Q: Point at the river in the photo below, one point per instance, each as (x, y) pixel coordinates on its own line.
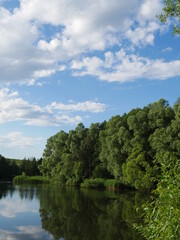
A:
(50, 212)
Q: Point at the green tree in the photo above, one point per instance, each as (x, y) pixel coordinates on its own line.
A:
(171, 10)
(4, 168)
(53, 152)
(110, 154)
(137, 171)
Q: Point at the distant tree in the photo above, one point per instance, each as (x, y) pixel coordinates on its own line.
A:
(4, 168)
(171, 10)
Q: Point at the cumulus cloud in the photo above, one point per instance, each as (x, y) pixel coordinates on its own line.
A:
(124, 67)
(27, 54)
(14, 108)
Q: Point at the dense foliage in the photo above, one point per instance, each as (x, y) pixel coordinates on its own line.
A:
(128, 148)
(163, 214)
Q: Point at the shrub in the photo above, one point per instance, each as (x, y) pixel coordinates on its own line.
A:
(163, 214)
(72, 182)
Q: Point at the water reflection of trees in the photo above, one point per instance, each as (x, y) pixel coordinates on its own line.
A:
(29, 192)
(76, 214)
(26, 192)
(6, 189)
(84, 214)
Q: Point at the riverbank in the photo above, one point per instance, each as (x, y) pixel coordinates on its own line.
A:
(96, 183)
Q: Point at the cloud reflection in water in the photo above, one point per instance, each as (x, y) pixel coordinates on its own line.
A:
(26, 232)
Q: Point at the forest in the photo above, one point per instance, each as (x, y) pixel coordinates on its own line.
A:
(129, 148)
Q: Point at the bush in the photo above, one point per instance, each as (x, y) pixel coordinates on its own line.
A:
(94, 183)
(113, 183)
(163, 214)
(72, 182)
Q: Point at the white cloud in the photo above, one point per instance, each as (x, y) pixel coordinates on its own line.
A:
(51, 46)
(44, 73)
(20, 58)
(87, 25)
(149, 9)
(125, 67)
(14, 108)
(91, 64)
(143, 35)
(80, 27)
(87, 106)
(16, 139)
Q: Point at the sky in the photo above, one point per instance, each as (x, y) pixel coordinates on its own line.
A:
(63, 62)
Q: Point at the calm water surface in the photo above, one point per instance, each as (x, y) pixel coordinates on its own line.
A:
(50, 212)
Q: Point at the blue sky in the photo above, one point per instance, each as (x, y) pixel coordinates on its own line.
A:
(65, 62)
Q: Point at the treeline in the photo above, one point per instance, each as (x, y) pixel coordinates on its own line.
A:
(9, 168)
(129, 148)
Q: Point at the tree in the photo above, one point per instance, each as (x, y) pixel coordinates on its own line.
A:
(137, 171)
(54, 150)
(171, 10)
(110, 154)
(4, 168)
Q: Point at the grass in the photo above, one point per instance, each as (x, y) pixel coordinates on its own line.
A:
(28, 179)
